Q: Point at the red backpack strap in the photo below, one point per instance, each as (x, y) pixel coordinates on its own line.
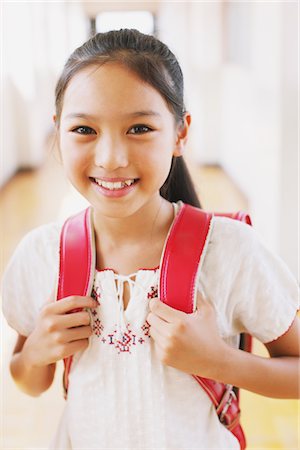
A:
(240, 215)
(76, 265)
(182, 260)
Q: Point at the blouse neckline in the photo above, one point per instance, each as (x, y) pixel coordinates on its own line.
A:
(109, 269)
(176, 207)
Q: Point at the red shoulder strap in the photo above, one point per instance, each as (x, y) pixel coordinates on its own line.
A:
(183, 254)
(77, 263)
(182, 260)
(77, 256)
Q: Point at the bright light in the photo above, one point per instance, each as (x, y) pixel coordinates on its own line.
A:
(114, 20)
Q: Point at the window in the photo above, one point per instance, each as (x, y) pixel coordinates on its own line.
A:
(114, 20)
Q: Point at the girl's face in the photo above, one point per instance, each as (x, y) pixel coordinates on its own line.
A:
(117, 138)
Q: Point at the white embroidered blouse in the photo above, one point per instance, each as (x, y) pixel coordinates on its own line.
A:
(120, 395)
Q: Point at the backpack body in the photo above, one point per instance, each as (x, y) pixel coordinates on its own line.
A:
(182, 259)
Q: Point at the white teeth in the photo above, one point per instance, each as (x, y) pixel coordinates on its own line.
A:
(129, 182)
(112, 186)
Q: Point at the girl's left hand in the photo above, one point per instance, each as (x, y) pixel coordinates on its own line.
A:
(188, 342)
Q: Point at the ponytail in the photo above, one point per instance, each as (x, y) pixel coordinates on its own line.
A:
(179, 184)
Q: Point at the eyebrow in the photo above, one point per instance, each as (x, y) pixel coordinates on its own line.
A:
(143, 113)
(132, 114)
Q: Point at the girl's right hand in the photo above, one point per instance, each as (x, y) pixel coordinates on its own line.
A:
(61, 331)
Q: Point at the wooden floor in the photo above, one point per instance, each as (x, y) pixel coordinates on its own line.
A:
(33, 198)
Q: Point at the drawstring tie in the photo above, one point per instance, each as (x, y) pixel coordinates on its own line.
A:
(121, 279)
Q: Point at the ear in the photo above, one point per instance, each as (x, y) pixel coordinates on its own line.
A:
(182, 135)
(55, 122)
(56, 144)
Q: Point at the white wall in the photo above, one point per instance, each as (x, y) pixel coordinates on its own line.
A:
(240, 65)
(289, 139)
(194, 34)
(37, 38)
(258, 142)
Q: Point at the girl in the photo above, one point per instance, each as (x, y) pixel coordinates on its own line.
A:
(122, 127)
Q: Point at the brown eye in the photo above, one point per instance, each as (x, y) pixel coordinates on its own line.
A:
(83, 130)
(140, 129)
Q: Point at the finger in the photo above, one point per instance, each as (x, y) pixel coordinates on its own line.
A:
(159, 350)
(157, 323)
(164, 311)
(160, 325)
(157, 336)
(75, 319)
(74, 347)
(69, 304)
(158, 339)
(75, 334)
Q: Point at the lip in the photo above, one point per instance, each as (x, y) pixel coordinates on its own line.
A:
(116, 193)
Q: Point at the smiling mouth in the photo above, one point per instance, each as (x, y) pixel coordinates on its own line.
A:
(116, 185)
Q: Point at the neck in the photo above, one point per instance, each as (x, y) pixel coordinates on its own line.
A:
(151, 220)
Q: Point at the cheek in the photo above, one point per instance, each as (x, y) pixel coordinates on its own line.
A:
(155, 164)
(160, 151)
(162, 156)
(73, 157)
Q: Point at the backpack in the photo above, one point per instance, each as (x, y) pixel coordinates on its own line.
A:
(182, 258)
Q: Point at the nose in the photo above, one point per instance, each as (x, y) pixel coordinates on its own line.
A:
(110, 153)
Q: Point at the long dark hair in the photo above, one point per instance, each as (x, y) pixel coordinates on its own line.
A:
(155, 64)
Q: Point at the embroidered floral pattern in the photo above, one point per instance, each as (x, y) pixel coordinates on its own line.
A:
(97, 327)
(96, 294)
(153, 292)
(122, 342)
(146, 329)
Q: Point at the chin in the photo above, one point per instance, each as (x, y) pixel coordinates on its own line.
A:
(115, 210)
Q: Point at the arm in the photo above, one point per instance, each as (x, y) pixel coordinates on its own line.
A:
(192, 343)
(59, 333)
(277, 376)
(30, 379)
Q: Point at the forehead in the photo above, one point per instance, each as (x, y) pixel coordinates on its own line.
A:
(111, 88)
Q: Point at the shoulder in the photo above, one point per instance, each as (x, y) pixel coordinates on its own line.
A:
(246, 280)
(30, 276)
(231, 241)
(40, 243)
(230, 230)
(239, 243)
(237, 248)
(229, 253)
(223, 230)
(44, 233)
(37, 251)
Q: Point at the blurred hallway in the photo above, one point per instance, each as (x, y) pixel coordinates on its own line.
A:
(33, 198)
(240, 64)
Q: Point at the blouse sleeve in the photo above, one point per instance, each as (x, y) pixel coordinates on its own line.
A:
(252, 289)
(30, 277)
